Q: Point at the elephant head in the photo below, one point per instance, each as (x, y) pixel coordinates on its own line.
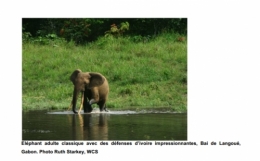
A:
(84, 81)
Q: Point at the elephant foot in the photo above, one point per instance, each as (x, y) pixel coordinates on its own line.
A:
(88, 109)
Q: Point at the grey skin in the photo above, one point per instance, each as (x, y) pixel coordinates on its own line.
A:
(94, 88)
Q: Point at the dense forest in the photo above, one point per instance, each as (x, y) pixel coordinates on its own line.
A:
(84, 30)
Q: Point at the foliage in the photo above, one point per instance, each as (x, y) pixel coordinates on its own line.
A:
(26, 36)
(76, 30)
(117, 31)
(85, 30)
(140, 38)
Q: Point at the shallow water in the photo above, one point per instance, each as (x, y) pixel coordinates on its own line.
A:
(112, 125)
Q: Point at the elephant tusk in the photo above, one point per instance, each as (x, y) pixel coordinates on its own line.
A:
(81, 104)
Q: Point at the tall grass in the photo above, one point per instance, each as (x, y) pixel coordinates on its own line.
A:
(140, 74)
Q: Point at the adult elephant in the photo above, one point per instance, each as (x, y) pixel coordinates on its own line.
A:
(94, 88)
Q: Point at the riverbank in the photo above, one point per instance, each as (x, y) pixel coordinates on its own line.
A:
(142, 74)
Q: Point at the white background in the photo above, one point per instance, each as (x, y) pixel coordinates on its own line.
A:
(223, 74)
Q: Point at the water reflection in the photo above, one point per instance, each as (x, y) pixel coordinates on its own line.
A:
(90, 126)
(114, 125)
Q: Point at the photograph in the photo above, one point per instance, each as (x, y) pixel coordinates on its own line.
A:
(104, 79)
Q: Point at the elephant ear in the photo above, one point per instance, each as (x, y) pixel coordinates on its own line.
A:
(96, 79)
(74, 75)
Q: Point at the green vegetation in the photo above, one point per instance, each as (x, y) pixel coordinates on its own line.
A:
(144, 60)
(151, 74)
(85, 30)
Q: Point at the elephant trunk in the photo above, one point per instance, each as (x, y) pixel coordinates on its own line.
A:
(74, 100)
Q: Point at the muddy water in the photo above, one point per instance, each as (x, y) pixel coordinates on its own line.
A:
(113, 125)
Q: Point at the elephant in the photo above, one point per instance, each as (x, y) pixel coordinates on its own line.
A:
(94, 89)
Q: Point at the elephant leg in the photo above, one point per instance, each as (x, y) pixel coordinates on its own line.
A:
(93, 101)
(102, 106)
(81, 104)
(94, 97)
(87, 106)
